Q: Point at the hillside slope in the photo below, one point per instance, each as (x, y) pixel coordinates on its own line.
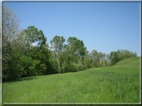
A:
(129, 61)
(116, 84)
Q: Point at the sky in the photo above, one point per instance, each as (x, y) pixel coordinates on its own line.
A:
(102, 26)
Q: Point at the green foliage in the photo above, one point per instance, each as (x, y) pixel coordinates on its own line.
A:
(21, 59)
(98, 59)
(57, 43)
(88, 63)
(76, 47)
(10, 70)
(58, 46)
(27, 66)
(71, 68)
(80, 67)
(116, 56)
(75, 67)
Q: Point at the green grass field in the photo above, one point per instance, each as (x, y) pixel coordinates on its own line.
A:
(116, 84)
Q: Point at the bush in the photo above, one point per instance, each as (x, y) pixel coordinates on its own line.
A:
(27, 66)
(87, 62)
(81, 67)
(75, 67)
(71, 68)
(11, 67)
(98, 64)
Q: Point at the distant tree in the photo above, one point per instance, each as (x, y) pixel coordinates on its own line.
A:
(97, 58)
(118, 55)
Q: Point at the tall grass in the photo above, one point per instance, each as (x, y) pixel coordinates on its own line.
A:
(116, 84)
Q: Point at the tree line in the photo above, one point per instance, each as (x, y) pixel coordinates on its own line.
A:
(20, 58)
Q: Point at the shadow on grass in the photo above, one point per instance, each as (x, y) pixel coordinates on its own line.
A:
(27, 78)
(23, 79)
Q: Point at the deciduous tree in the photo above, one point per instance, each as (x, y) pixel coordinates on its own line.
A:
(57, 44)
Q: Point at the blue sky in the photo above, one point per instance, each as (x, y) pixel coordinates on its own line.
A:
(103, 26)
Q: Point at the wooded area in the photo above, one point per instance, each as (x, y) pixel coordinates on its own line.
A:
(20, 58)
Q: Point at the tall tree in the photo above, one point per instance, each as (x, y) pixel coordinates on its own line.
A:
(34, 36)
(76, 48)
(57, 44)
(10, 27)
(40, 53)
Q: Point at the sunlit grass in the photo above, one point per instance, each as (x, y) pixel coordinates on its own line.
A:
(116, 84)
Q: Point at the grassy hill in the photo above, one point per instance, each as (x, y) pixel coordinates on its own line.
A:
(116, 84)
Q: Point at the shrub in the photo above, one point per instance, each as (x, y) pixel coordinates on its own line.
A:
(71, 68)
(75, 67)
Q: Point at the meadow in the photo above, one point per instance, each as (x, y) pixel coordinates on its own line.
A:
(115, 84)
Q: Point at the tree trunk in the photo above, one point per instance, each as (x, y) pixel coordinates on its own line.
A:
(58, 62)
